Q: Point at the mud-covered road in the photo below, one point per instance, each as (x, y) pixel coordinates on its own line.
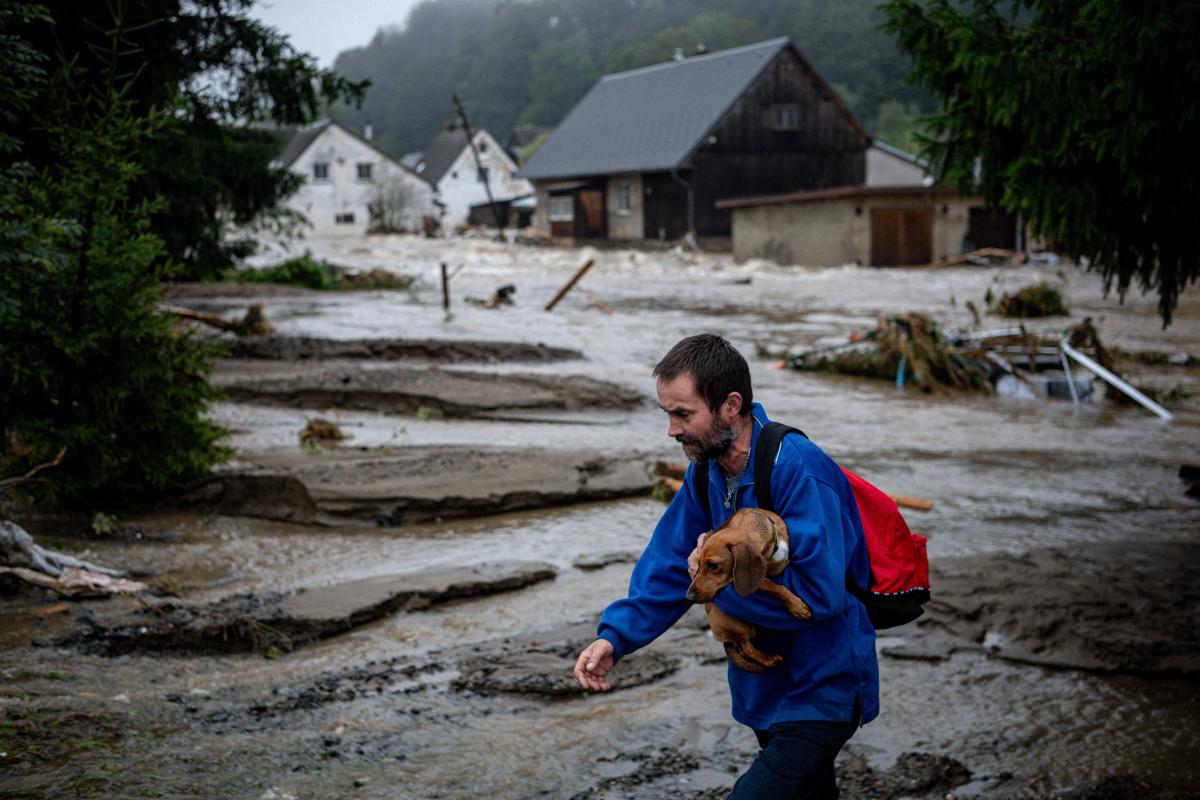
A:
(396, 616)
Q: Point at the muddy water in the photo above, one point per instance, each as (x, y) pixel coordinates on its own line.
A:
(1005, 475)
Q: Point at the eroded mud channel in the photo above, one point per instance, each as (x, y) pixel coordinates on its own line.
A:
(395, 615)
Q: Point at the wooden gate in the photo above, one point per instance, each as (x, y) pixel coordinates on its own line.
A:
(901, 236)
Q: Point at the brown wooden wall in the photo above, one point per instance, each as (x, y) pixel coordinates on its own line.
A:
(750, 158)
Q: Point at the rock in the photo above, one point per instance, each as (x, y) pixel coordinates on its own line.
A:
(593, 561)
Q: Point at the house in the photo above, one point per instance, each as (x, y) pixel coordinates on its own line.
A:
(352, 188)
(450, 166)
(890, 166)
(882, 225)
(647, 152)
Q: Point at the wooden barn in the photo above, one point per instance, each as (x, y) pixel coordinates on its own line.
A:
(646, 153)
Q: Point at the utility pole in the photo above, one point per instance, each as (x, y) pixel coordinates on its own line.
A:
(462, 116)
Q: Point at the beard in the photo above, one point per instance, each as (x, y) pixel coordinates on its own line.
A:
(713, 444)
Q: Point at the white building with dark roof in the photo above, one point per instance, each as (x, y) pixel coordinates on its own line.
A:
(352, 188)
(449, 165)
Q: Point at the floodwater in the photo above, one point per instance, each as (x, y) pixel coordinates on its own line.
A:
(1005, 475)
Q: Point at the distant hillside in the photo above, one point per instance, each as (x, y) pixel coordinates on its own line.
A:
(528, 63)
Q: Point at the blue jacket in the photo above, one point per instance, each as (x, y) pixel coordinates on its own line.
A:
(829, 663)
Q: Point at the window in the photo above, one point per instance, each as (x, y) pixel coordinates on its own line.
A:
(364, 172)
(785, 116)
(343, 219)
(321, 171)
(482, 148)
(562, 208)
(483, 174)
(623, 192)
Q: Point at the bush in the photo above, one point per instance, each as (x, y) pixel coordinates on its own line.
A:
(302, 270)
(1039, 300)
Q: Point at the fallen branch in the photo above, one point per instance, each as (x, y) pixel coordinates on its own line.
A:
(28, 477)
(76, 583)
(253, 324)
(17, 550)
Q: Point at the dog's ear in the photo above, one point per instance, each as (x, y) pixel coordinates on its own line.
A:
(749, 567)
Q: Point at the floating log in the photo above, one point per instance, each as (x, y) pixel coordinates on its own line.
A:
(253, 324)
(574, 280)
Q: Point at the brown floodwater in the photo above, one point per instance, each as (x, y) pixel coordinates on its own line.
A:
(1005, 475)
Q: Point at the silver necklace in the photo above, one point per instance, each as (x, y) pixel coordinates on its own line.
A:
(732, 482)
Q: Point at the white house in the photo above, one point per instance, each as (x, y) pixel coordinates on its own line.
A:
(350, 186)
(450, 166)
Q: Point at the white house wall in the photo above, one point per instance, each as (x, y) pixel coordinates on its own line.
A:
(886, 169)
(460, 188)
(343, 195)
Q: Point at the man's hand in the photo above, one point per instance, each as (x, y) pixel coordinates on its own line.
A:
(694, 558)
(594, 663)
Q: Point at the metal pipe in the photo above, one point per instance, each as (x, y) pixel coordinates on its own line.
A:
(1116, 382)
(1070, 378)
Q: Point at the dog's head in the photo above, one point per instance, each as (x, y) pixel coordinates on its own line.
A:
(728, 556)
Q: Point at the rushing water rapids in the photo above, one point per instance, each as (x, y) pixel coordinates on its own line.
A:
(1006, 476)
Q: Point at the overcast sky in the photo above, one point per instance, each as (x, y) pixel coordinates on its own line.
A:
(325, 28)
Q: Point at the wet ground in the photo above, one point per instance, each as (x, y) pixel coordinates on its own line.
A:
(467, 697)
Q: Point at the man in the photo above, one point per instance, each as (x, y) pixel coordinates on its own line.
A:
(805, 709)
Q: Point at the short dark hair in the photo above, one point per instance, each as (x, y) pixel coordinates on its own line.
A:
(716, 367)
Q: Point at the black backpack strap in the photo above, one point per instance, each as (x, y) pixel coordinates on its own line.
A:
(764, 460)
(700, 484)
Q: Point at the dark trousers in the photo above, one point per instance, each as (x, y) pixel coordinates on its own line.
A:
(795, 762)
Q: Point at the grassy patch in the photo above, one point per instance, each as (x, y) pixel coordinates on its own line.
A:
(313, 273)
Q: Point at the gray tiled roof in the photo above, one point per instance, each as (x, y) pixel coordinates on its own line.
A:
(299, 140)
(652, 118)
(441, 153)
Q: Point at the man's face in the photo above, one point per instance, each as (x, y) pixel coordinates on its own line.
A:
(703, 434)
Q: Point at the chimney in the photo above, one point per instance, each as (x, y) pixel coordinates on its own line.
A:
(678, 54)
(368, 132)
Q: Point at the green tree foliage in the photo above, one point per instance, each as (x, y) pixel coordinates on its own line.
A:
(530, 61)
(86, 363)
(1080, 116)
(226, 78)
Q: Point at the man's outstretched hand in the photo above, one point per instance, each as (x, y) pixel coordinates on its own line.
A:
(594, 663)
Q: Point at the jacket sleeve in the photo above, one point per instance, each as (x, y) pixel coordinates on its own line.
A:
(820, 529)
(660, 579)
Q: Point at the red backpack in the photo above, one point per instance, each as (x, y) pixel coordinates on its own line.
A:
(899, 585)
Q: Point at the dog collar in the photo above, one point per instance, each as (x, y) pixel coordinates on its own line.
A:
(774, 534)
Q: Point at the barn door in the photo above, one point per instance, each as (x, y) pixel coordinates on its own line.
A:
(901, 236)
(591, 202)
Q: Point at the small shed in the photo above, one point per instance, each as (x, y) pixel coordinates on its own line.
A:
(876, 225)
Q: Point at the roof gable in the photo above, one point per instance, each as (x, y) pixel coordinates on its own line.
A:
(653, 118)
(303, 138)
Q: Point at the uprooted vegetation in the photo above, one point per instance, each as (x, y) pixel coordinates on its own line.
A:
(912, 347)
(1038, 300)
(313, 273)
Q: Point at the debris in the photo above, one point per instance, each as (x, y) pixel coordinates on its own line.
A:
(1038, 300)
(76, 583)
(983, 255)
(574, 280)
(374, 279)
(1190, 474)
(18, 551)
(501, 297)
(321, 431)
(253, 324)
(595, 301)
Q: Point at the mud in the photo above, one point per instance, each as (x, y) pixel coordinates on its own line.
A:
(1123, 608)
(282, 622)
(306, 348)
(431, 392)
(394, 487)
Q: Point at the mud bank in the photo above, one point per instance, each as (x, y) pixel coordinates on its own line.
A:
(1128, 609)
(283, 622)
(431, 391)
(393, 486)
(449, 351)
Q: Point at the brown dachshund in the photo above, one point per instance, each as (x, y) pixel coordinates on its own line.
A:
(748, 549)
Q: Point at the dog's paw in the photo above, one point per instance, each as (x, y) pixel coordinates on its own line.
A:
(799, 609)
